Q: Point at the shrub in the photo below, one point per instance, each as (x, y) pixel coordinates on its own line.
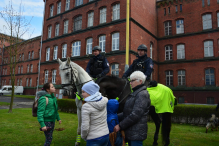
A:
(67, 105)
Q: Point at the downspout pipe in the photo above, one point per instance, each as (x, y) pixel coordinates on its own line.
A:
(127, 36)
(41, 44)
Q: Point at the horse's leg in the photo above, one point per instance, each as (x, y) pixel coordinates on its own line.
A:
(166, 127)
(157, 122)
(78, 139)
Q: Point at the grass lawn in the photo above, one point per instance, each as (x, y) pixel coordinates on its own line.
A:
(4, 103)
(21, 129)
(23, 96)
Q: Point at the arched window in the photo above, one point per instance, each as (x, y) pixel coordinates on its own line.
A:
(64, 50)
(78, 23)
(181, 51)
(115, 70)
(90, 21)
(54, 76)
(207, 21)
(115, 41)
(65, 27)
(27, 81)
(76, 48)
(67, 5)
(169, 77)
(208, 49)
(168, 28)
(102, 42)
(31, 68)
(116, 11)
(168, 52)
(89, 46)
(179, 26)
(103, 15)
(30, 82)
(59, 7)
(19, 70)
(181, 77)
(55, 52)
(47, 54)
(46, 76)
(32, 54)
(17, 82)
(51, 10)
(20, 82)
(28, 68)
(209, 76)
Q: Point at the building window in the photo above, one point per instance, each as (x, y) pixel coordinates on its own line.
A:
(29, 54)
(57, 30)
(169, 10)
(89, 46)
(47, 54)
(55, 52)
(90, 21)
(32, 54)
(6, 71)
(5, 82)
(78, 2)
(208, 2)
(91, 0)
(116, 12)
(181, 100)
(67, 5)
(59, 7)
(78, 23)
(54, 76)
(51, 10)
(210, 100)
(76, 47)
(20, 82)
(217, 19)
(207, 22)
(30, 82)
(64, 50)
(168, 53)
(27, 81)
(115, 41)
(176, 8)
(151, 50)
(208, 49)
(103, 15)
(179, 26)
(21, 69)
(164, 11)
(17, 82)
(9, 82)
(102, 42)
(23, 57)
(46, 76)
(19, 57)
(31, 68)
(28, 68)
(181, 51)
(181, 77)
(168, 28)
(65, 26)
(180, 7)
(169, 78)
(3, 71)
(115, 70)
(209, 77)
(203, 3)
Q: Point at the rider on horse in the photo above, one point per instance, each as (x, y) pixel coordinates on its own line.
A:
(143, 64)
(98, 65)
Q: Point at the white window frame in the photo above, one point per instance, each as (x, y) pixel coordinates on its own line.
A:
(28, 68)
(49, 32)
(59, 7)
(151, 50)
(65, 27)
(115, 69)
(217, 19)
(46, 76)
(208, 48)
(23, 57)
(27, 81)
(57, 30)
(67, 5)
(211, 76)
(102, 42)
(176, 8)
(30, 79)
(32, 54)
(103, 15)
(181, 51)
(78, 2)
(116, 12)
(78, 23)
(54, 76)
(179, 26)
(207, 21)
(168, 52)
(168, 28)
(31, 68)
(20, 82)
(169, 77)
(55, 53)
(208, 2)
(181, 78)
(76, 48)
(29, 54)
(90, 21)
(51, 10)
(21, 69)
(64, 50)
(47, 54)
(89, 46)
(115, 41)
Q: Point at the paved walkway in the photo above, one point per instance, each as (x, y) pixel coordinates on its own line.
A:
(18, 102)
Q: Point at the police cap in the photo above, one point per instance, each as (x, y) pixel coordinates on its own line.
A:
(97, 48)
(142, 47)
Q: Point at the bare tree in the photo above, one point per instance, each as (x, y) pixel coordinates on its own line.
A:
(16, 26)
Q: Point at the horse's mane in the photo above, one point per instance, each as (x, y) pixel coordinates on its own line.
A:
(111, 78)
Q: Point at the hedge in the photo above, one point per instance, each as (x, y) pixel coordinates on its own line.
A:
(189, 114)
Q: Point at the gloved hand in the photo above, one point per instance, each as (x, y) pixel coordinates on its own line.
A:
(99, 76)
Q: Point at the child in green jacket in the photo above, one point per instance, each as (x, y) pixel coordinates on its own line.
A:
(47, 113)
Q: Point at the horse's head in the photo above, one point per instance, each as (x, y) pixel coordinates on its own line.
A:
(68, 75)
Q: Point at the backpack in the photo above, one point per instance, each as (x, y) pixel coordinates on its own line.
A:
(35, 104)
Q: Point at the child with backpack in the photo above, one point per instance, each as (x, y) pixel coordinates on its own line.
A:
(47, 111)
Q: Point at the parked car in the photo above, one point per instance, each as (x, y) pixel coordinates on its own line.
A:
(7, 89)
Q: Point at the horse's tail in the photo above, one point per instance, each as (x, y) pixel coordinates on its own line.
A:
(166, 128)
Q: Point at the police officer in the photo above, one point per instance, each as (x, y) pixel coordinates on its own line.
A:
(143, 63)
(98, 66)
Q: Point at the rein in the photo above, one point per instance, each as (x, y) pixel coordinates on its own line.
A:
(122, 92)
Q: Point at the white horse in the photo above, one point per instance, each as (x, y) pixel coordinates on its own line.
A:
(74, 76)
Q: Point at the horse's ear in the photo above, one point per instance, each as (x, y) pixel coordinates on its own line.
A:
(59, 61)
(68, 61)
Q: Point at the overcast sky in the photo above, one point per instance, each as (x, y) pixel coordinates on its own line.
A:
(31, 9)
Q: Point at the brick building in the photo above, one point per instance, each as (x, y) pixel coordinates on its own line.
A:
(26, 69)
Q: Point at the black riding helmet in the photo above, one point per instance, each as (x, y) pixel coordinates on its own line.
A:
(97, 48)
(143, 47)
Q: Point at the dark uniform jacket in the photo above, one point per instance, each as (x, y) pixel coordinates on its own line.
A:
(143, 63)
(97, 65)
(133, 119)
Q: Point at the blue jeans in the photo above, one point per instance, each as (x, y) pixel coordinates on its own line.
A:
(100, 142)
(135, 143)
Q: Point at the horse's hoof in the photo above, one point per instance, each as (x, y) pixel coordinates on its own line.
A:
(77, 144)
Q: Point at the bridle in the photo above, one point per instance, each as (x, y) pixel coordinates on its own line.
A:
(122, 92)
